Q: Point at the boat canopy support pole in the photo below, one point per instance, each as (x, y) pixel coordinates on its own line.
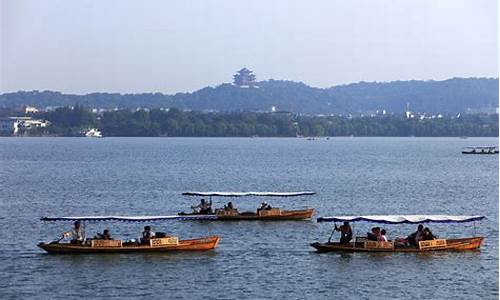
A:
(84, 232)
(353, 236)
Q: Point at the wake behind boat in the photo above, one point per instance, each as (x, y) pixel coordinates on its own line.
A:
(265, 212)
(104, 244)
(364, 244)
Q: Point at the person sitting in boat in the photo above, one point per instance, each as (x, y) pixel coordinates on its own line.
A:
(374, 235)
(427, 235)
(229, 206)
(204, 208)
(345, 232)
(417, 236)
(105, 235)
(264, 206)
(147, 234)
(77, 234)
(383, 237)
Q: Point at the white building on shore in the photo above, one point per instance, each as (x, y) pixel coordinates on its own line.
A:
(12, 125)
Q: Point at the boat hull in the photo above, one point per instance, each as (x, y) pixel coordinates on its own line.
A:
(286, 215)
(479, 153)
(201, 244)
(463, 244)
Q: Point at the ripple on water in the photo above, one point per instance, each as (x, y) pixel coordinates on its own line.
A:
(254, 260)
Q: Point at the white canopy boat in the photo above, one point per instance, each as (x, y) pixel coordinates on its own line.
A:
(480, 150)
(229, 213)
(154, 244)
(362, 244)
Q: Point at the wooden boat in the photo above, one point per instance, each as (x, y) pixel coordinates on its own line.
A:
(272, 214)
(462, 244)
(157, 244)
(361, 244)
(117, 246)
(480, 150)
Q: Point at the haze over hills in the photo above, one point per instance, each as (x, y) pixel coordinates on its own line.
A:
(456, 95)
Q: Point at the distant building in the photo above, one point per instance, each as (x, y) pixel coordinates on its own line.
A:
(8, 126)
(244, 78)
(12, 125)
(52, 108)
(408, 113)
(483, 110)
(30, 110)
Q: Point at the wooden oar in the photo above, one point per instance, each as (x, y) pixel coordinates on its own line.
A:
(333, 231)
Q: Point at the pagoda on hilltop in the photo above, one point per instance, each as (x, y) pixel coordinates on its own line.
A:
(244, 78)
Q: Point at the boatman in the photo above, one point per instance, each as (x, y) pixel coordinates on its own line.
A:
(77, 234)
(147, 235)
(345, 232)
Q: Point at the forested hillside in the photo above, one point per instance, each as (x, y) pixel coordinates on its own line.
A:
(448, 96)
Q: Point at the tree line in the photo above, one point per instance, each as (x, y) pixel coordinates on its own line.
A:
(174, 122)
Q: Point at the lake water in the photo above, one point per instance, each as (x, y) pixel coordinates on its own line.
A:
(255, 260)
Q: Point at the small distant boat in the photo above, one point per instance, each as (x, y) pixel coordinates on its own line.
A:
(362, 244)
(268, 214)
(159, 244)
(480, 150)
(94, 133)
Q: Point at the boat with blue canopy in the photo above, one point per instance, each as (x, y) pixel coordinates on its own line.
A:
(265, 212)
(373, 242)
(159, 242)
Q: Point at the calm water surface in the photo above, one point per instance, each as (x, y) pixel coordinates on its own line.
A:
(255, 260)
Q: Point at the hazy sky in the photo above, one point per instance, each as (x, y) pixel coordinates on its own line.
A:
(173, 46)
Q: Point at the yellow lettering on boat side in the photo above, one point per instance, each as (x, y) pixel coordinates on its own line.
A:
(440, 243)
(105, 243)
(164, 241)
(379, 245)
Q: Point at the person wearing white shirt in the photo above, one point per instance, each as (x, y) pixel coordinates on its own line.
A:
(383, 237)
(77, 234)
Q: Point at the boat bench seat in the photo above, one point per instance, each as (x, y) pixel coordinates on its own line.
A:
(439, 243)
(269, 212)
(379, 245)
(155, 242)
(105, 243)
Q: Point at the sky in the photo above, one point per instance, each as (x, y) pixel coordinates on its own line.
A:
(178, 46)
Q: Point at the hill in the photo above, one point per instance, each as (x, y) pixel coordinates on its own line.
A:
(448, 96)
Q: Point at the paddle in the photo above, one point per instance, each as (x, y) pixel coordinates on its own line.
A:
(333, 231)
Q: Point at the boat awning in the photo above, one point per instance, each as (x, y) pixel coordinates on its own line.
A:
(403, 219)
(244, 194)
(129, 218)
